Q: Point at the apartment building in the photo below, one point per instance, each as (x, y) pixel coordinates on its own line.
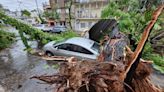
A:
(60, 7)
(87, 13)
(48, 9)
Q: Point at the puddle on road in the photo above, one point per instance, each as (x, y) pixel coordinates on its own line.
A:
(17, 66)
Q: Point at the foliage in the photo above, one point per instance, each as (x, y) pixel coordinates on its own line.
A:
(6, 39)
(130, 21)
(24, 40)
(26, 13)
(132, 17)
(157, 59)
(35, 34)
(51, 14)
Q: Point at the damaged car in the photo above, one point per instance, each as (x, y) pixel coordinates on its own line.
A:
(82, 48)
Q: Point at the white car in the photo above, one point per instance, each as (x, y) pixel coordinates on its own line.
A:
(59, 29)
(79, 47)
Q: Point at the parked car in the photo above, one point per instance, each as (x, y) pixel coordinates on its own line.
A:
(77, 46)
(44, 27)
(58, 29)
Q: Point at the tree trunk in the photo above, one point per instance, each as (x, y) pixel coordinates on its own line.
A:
(70, 17)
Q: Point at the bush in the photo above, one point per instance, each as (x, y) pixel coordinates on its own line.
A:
(156, 58)
(6, 39)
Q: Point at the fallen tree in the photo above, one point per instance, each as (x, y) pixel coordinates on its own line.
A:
(120, 73)
(34, 33)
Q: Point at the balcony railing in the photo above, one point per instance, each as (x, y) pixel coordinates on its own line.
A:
(90, 1)
(87, 16)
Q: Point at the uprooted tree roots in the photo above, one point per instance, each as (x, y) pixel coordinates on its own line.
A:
(109, 76)
(90, 76)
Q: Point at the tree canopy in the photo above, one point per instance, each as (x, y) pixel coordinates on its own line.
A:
(132, 17)
(26, 13)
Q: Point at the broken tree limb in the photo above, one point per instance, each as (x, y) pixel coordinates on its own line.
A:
(56, 58)
(144, 37)
(59, 58)
(134, 59)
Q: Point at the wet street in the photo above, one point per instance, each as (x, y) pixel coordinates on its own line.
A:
(17, 66)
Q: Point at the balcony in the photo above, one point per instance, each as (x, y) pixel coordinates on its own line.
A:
(87, 16)
(89, 1)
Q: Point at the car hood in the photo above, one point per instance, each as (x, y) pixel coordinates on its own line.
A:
(49, 44)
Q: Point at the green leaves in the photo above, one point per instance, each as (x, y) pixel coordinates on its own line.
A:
(26, 13)
(133, 19)
(6, 39)
(34, 34)
(51, 14)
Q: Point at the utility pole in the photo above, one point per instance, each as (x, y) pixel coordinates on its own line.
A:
(19, 2)
(36, 2)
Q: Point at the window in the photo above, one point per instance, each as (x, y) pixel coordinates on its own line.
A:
(83, 50)
(83, 25)
(67, 10)
(90, 24)
(58, 10)
(96, 47)
(65, 47)
(74, 48)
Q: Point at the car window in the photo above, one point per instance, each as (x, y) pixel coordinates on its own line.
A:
(65, 47)
(57, 30)
(96, 47)
(81, 50)
(74, 48)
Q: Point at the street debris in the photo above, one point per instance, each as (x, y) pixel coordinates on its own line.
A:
(122, 72)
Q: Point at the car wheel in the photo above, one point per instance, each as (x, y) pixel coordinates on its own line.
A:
(48, 53)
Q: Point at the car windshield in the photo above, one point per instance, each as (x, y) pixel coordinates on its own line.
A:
(96, 47)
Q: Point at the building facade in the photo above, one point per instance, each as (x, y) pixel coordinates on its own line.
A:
(87, 13)
(49, 17)
(84, 13)
(61, 8)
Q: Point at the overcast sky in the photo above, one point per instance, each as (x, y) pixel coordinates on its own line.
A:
(25, 4)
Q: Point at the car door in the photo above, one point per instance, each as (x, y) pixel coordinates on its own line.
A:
(84, 53)
(64, 49)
